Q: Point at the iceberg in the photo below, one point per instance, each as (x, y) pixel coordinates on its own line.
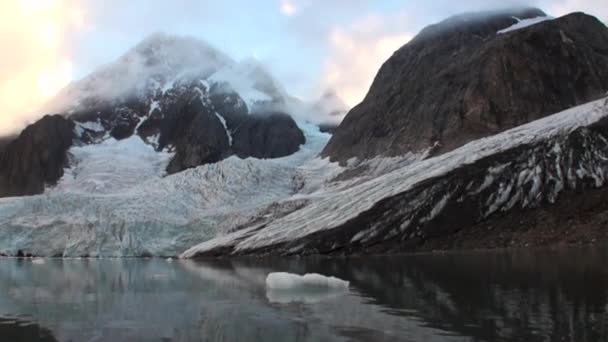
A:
(288, 281)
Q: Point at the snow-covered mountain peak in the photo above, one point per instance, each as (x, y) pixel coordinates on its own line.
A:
(252, 81)
(155, 63)
(161, 49)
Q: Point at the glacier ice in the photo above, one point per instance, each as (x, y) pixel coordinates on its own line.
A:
(38, 261)
(289, 281)
(116, 200)
(311, 288)
(333, 208)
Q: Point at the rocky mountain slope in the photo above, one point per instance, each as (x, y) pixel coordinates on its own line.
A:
(175, 93)
(5, 141)
(475, 75)
(36, 158)
(498, 179)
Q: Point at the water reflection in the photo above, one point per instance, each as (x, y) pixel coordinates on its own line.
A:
(527, 295)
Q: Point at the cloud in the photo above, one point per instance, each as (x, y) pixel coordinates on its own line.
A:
(598, 8)
(311, 44)
(356, 54)
(357, 49)
(288, 8)
(34, 65)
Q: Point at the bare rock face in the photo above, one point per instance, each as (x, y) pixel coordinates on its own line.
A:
(198, 136)
(4, 141)
(37, 157)
(266, 136)
(461, 80)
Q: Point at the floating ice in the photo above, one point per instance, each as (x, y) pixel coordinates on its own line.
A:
(289, 281)
(38, 261)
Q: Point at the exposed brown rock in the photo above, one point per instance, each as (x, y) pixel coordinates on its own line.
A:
(459, 80)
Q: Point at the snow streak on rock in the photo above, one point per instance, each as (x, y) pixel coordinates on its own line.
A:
(523, 23)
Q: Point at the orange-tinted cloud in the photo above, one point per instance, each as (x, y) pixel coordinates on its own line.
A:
(34, 64)
(356, 54)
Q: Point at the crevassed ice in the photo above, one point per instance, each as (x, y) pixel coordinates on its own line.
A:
(114, 201)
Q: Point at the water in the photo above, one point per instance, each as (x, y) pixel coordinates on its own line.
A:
(526, 295)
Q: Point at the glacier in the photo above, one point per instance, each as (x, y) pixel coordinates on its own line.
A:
(116, 201)
(347, 207)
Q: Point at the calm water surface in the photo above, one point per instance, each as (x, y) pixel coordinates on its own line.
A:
(526, 295)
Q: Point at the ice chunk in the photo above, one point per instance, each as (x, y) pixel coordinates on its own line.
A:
(289, 281)
(38, 261)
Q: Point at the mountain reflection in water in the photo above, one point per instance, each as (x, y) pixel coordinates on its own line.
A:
(523, 295)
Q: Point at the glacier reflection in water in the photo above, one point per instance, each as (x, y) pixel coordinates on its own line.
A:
(525, 295)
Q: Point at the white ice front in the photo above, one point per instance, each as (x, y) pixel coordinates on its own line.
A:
(116, 201)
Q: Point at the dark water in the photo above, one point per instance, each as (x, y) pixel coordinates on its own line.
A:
(529, 295)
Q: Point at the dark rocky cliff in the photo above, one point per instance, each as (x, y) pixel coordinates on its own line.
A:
(4, 141)
(460, 80)
(37, 157)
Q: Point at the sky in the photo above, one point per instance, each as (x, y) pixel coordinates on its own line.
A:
(309, 45)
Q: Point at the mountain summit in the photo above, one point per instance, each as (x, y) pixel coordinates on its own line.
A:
(177, 94)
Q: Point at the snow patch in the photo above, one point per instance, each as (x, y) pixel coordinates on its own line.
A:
(223, 121)
(154, 64)
(94, 126)
(523, 23)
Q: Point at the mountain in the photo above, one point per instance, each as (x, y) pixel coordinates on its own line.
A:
(38, 156)
(472, 76)
(177, 94)
(197, 167)
(527, 185)
(5, 141)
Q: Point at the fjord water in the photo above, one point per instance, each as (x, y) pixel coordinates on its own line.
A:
(520, 295)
